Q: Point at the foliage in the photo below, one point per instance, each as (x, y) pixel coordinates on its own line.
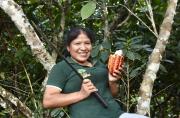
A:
(88, 9)
(133, 37)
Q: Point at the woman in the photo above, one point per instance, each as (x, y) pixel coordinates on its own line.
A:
(65, 89)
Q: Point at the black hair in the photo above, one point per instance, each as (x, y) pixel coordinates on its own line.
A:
(74, 32)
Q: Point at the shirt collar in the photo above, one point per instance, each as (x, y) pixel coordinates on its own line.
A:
(71, 61)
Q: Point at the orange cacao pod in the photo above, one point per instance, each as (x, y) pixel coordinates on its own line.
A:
(115, 61)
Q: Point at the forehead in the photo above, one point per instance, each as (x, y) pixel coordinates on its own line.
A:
(82, 37)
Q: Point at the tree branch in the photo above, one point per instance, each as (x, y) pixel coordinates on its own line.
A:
(121, 18)
(143, 106)
(140, 20)
(16, 102)
(22, 23)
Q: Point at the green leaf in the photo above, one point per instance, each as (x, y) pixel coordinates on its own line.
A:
(130, 55)
(137, 56)
(163, 68)
(21, 53)
(55, 112)
(2, 75)
(104, 55)
(88, 9)
(106, 44)
(57, 20)
(133, 55)
(32, 1)
(135, 72)
(119, 45)
(95, 51)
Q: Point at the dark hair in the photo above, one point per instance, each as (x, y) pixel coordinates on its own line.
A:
(74, 32)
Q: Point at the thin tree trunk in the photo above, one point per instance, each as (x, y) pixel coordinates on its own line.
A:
(143, 106)
(2, 103)
(22, 23)
(37, 47)
(14, 101)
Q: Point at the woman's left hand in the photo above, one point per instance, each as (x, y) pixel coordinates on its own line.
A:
(115, 76)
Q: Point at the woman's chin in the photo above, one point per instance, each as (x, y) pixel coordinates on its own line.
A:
(82, 60)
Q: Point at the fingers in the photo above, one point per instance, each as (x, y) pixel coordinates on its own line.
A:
(86, 81)
(87, 87)
(111, 77)
(117, 73)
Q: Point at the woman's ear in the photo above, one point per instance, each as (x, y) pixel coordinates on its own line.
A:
(67, 48)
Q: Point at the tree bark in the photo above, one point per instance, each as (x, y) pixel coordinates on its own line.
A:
(2, 103)
(7, 96)
(32, 39)
(143, 106)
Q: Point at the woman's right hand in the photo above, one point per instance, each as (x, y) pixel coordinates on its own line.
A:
(87, 88)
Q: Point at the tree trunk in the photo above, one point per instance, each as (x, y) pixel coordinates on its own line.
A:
(14, 101)
(37, 47)
(22, 23)
(143, 106)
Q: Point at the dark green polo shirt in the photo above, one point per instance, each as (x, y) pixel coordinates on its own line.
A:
(63, 77)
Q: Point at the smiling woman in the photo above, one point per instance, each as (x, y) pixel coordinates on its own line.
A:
(65, 89)
(80, 48)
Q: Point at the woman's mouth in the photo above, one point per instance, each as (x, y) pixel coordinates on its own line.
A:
(83, 53)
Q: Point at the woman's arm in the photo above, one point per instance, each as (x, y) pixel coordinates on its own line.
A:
(113, 82)
(114, 87)
(53, 98)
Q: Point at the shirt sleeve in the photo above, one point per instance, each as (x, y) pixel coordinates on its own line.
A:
(57, 77)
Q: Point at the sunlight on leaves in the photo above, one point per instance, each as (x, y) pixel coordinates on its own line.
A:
(88, 9)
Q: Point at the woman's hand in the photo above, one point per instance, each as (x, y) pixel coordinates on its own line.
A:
(54, 98)
(113, 84)
(115, 76)
(87, 88)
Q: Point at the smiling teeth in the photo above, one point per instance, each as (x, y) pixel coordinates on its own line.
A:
(83, 54)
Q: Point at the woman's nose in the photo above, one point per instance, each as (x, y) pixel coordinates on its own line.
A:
(83, 47)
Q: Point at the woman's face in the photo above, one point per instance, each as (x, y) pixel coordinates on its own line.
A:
(80, 48)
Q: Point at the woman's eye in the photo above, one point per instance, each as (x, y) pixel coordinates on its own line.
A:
(88, 43)
(77, 43)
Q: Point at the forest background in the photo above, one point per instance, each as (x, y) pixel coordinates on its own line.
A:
(136, 27)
